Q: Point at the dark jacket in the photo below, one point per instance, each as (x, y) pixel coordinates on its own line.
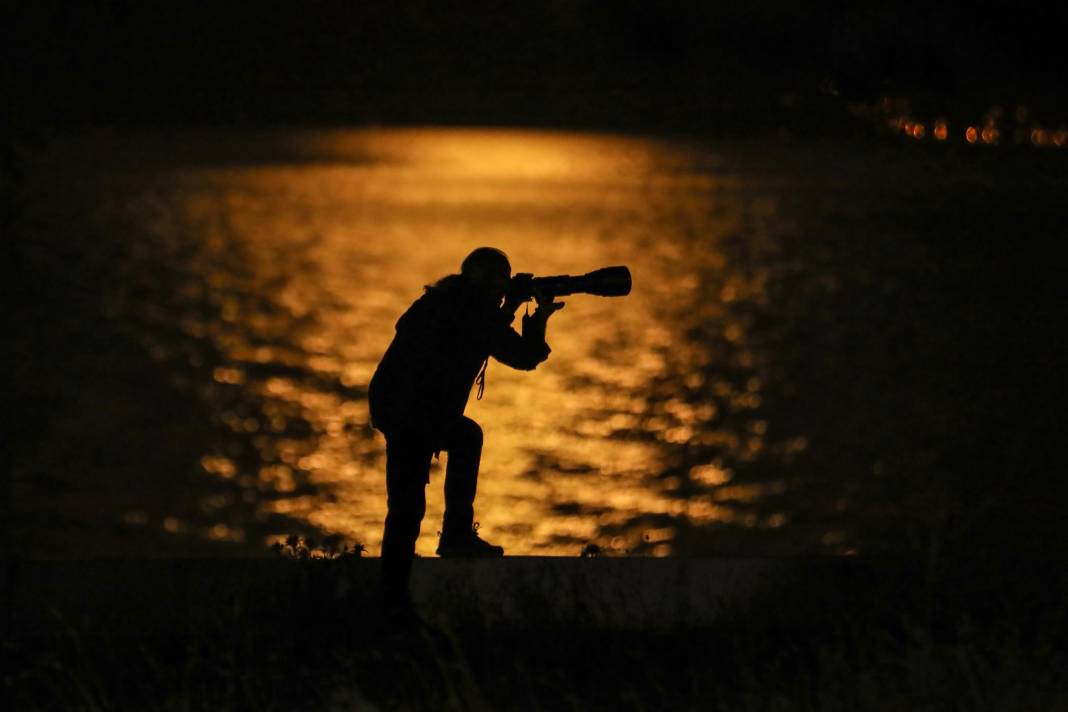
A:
(441, 344)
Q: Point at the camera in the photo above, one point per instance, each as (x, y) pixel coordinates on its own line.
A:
(604, 282)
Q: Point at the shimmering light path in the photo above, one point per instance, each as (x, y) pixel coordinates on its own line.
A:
(299, 267)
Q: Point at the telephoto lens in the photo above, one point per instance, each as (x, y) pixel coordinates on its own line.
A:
(604, 282)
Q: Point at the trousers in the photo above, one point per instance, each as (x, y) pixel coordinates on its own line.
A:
(408, 457)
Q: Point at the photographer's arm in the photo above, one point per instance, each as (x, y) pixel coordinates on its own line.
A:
(527, 351)
(534, 324)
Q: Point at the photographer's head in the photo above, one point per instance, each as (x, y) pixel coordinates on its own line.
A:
(488, 268)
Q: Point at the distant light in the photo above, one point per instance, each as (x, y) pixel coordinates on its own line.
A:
(1060, 139)
(971, 135)
(990, 134)
(918, 131)
(941, 130)
(1040, 137)
(136, 518)
(1021, 113)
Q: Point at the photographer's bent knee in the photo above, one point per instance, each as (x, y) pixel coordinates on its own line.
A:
(469, 432)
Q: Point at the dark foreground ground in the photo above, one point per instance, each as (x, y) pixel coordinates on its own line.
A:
(883, 641)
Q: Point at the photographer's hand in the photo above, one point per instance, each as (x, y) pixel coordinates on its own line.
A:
(546, 310)
(512, 302)
(547, 306)
(534, 324)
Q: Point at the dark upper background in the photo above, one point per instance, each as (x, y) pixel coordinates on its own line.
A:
(677, 66)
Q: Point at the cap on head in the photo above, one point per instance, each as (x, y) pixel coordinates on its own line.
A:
(486, 264)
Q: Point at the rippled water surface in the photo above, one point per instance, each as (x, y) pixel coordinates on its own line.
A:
(278, 277)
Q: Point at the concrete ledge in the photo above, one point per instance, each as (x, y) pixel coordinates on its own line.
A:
(146, 596)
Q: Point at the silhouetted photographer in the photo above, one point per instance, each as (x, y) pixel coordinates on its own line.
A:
(420, 389)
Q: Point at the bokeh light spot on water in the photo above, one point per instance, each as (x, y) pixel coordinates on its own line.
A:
(779, 519)
(712, 474)
(221, 466)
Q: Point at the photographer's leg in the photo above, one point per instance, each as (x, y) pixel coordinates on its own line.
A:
(407, 468)
(458, 539)
(464, 445)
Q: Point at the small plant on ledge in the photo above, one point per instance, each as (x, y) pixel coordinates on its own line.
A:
(304, 548)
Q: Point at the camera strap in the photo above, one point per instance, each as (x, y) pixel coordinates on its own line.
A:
(481, 379)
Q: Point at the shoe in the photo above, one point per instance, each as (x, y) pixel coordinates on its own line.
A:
(468, 545)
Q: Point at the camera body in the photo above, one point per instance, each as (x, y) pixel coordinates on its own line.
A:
(604, 282)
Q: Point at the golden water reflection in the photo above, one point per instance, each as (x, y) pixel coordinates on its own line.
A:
(626, 437)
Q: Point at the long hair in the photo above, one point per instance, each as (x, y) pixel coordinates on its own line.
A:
(449, 281)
